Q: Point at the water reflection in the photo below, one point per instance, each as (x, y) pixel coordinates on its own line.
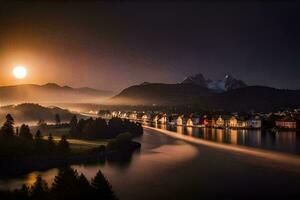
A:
(219, 134)
(285, 141)
(180, 130)
(233, 136)
(153, 160)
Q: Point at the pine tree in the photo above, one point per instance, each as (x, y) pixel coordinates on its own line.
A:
(50, 138)
(85, 187)
(73, 126)
(7, 130)
(65, 184)
(10, 119)
(51, 143)
(24, 189)
(63, 145)
(40, 189)
(38, 135)
(39, 146)
(102, 187)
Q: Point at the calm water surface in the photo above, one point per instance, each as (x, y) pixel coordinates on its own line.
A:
(284, 141)
(166, 168)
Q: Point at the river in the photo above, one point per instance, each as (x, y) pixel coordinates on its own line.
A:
(169, 168)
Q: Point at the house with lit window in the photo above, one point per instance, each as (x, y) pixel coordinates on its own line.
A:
(179, 120)
(242, 123)
(155, 119)
(220, 122)
(189, 122)
(254, 122)
(163, 119)
(145, 118)
(233, 122)
(196, 120)
(172, 119)
(114, 114)
(287, 123)
(123, 115)
(209, 122)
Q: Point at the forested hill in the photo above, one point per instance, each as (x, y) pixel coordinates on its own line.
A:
(33, 112)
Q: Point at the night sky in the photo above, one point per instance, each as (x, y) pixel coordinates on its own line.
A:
(114, 45)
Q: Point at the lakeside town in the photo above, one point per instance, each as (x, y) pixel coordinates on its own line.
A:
(275, 121)
(143, 100)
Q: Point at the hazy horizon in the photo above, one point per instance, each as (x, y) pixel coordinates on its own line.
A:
(119, 90)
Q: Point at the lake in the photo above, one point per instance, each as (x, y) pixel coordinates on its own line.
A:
(283, 141)
(167, 168)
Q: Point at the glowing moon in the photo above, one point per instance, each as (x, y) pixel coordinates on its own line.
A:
(19, 72)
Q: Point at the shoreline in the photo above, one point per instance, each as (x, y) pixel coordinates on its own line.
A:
(17, 167)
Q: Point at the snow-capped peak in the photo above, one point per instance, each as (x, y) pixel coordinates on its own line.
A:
(197, 79)
(227, 83)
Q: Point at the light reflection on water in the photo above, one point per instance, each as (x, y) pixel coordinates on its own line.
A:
(284, 141)
(165, 167)
(158, 155)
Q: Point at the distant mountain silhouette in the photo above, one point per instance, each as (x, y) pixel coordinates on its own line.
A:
(227, 83)
(239, 97)
(159, 93)
(197, 79)
(29, 112)
(48, 93)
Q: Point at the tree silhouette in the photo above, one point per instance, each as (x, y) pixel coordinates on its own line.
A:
(65, 185)
(38, 135)
(10, 119)
(63, 145)
(51, 143)
(99, 128)
(102, 187)
(17, 131)
(73, 124)
(57, 119)
(86, 190)
(40, 189)
(7, 130)
(23, 193)
(25, 132)
(39, 144)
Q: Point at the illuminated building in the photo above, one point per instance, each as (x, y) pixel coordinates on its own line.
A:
(286, 122)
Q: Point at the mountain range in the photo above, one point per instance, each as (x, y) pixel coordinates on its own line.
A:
(50, 92)
(225, 84)
(229, 94)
